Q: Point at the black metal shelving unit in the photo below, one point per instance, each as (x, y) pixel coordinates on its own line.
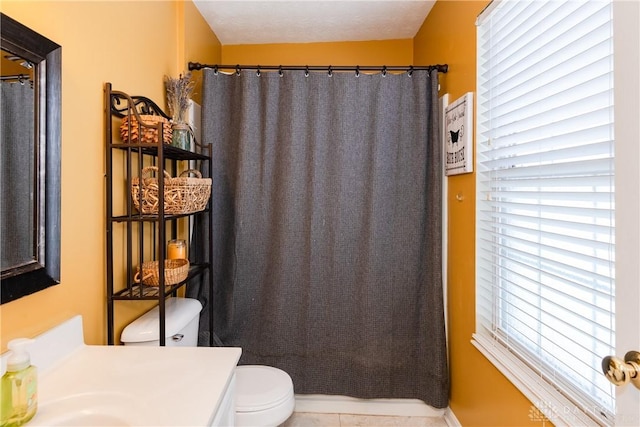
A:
(143, 237)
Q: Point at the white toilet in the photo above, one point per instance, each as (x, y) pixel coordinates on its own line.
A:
(264, 395)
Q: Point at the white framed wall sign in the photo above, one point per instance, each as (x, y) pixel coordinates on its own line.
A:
(458, 120)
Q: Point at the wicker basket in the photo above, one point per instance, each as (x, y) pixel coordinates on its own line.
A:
(182, 195)
(175, 271)
(145, 134)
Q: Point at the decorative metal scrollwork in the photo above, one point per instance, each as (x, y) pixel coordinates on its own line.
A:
(121, 103)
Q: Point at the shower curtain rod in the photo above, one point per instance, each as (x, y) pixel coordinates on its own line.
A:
(19, 77)
(441, 68)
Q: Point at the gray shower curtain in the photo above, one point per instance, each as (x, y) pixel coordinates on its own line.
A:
(327, 213)
(17, 169)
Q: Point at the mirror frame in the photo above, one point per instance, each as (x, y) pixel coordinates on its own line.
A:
(47, 59)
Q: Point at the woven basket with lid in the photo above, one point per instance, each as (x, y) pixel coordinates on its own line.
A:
(133, 133)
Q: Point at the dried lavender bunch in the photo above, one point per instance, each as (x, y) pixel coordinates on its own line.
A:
(179, 92)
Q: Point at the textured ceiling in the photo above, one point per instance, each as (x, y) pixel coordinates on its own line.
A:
(306, 21)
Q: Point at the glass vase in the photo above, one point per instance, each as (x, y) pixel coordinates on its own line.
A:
(181, 137)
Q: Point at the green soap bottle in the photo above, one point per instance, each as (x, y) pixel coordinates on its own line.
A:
(19, 386)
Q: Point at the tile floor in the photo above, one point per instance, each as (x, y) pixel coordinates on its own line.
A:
(299, 419)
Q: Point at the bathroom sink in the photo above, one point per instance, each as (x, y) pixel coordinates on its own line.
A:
(94, 385)
(82, 419)
(87, 409)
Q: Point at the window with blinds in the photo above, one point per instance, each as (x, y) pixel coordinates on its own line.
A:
(545, 263)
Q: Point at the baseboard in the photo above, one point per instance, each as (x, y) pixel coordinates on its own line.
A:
(450, 419)
(326, 404)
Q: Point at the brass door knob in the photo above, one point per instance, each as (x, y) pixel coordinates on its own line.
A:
(621, 372)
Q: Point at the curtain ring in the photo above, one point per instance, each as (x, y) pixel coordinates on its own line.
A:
(280, 73)
(237, 69)
(384, 71)
(21, 79)
(306, 71)
(215, 70)
(258, 71)
(330, 72)
(410, 72)
(357, 71)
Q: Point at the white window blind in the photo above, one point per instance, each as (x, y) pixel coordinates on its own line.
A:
(545, 202)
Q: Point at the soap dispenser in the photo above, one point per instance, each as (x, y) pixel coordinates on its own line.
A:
(19, 386)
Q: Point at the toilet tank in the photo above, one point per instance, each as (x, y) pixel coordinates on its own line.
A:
(182, 318)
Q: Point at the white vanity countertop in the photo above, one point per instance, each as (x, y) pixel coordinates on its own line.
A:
(170, 386)
(82, 384)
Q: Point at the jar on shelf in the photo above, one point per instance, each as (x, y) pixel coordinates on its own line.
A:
(181, 136)
(177, 249)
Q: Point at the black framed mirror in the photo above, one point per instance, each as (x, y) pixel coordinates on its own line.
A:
(29, 163)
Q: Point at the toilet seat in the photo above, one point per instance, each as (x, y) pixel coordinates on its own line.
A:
(264, 396)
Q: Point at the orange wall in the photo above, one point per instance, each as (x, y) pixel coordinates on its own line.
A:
(104, 50)
(131, 45)
(480, 395)
(200, 45)
(383, 52)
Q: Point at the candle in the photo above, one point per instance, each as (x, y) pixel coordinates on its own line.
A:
(177, 249)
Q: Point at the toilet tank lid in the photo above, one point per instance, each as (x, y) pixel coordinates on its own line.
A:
(178, 313)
